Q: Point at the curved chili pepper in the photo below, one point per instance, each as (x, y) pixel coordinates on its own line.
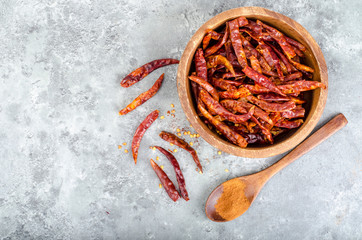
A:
(280, 38)
(272, 107)
(220, 110)
(272, 97)
(234, 83)
(200, 64)
(261, 79)
(210, 34)
(171, 138)
(297, 51)
(207, 86)
(233, 106)
(300, 86)
(254, 27)
(249, 46)
(256, 36)
(230, 54)
(289, 124)
(255, 64)
(237, 105)
(264, 130)
(217, 46)
(141, 72)
(215, 60)
(283, 58)
(236, 42)
(235, 94)
(300, 66)
(143, 97)
(179, 176)
(271, 58)
(238, 75)
(256, 89)
(166, 182)
(293, 76)
(231, 135)
(295, 43)
(298, 112)
(140, 131)
(223, 84)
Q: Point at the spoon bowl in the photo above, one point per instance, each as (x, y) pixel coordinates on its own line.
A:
(252, 184)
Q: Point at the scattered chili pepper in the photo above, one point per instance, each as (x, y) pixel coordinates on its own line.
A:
(141, 72)
(143, 97)
(171, 138)
(140, 131)
(166, 182)
(179, 176)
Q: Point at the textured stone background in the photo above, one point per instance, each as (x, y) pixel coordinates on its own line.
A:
(61, 173)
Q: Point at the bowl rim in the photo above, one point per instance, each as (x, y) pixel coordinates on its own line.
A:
(212, 138)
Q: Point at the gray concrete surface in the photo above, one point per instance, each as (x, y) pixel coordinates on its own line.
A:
(61, 173)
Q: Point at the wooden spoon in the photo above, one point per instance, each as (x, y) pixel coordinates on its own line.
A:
(253, 183)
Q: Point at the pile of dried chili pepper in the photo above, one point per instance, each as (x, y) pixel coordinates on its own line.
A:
(248, 82)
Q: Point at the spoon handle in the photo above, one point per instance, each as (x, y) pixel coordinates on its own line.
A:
(315, 139)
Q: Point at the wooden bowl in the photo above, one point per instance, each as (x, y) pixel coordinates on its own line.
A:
(316, 99)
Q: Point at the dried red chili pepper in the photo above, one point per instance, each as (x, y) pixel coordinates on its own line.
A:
(242, 21)
(234, 106)
(271, 58)
(200, 64)
(293, 76)
(207, 86)
(234, 94)
(255, 64)
(166, 182)
(295, 43)
(140, 131)
(272, 107)
(231, 135)
(256, 89)
(234, 83)
(210, 34)
(238, 105)
(249, 46)
(254, 138)
(223, 84)
(264, 130)
(272, 97)
(297, 51)
(230, 54)
(264, 64)
(141, 72)
(220, 110)
(261, 79)
(289, 124)
(143, 97)
(300, 66)
(254, 27)
(280, 38)
(179, 176)
(236, 42)
(171, 138)
(215, 60)
(221, 42)
(297, 112)
(238, 75)
(300, 86)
